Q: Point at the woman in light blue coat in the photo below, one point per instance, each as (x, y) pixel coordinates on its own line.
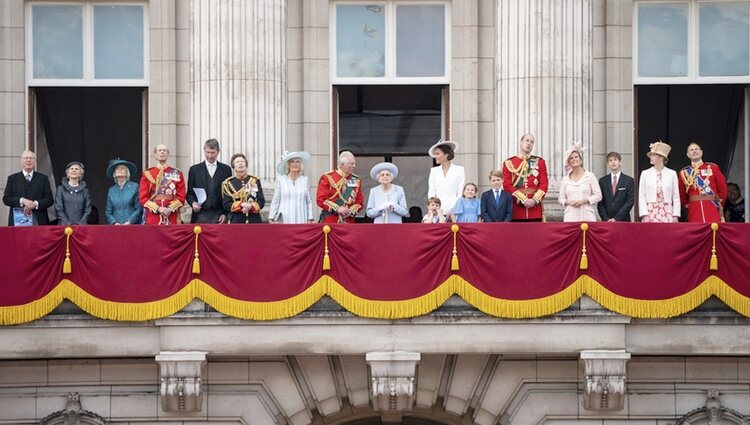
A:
(291, 203)
(387, 202)
(123, 205)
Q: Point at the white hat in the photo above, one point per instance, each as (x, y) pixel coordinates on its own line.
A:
(286, 156)
(383, 166)
(450, 143)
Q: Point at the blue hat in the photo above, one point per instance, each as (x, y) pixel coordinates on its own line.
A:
(383, 166)
(113, 163)
(286, 156)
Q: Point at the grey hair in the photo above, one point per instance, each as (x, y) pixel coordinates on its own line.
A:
(127, 171)
(212, 144)
(345, 156)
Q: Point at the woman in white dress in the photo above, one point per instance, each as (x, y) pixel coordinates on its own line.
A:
(291, 202)
(658, 190)
(447, 179)
(387, 202)
(579, 190)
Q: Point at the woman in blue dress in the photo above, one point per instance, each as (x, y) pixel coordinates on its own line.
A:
(123, 205)
(387, 202)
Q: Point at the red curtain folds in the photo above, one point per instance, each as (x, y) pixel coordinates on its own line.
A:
(263, 272)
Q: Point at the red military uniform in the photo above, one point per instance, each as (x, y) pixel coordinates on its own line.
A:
(162, 187)
(526, 178)
(703, 190)
(336, 190)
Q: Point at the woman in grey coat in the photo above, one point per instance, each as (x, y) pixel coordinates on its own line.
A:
(72, 201)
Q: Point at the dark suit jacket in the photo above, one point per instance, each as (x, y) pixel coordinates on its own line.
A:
(619, 205)
(496, 213)
(40, 191)
(198, 177)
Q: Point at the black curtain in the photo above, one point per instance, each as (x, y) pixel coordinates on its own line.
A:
(682, 114)
(92, 125)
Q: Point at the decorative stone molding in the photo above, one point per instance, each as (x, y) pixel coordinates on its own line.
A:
(73, 414)
(713, 413)
(604, 385)
(392, 378)
(181, 373)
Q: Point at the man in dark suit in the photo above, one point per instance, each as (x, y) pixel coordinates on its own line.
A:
(497, 204)
(28, 192)
(207, 176)
(617, 191)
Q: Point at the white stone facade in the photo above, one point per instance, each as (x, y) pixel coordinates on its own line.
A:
(257, 77)
(567, 78)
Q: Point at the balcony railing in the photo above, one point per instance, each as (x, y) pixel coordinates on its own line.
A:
(265, 272)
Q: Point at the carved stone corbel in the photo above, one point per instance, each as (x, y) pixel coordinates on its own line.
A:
(392, 377)
(605, 373)
(181, 373)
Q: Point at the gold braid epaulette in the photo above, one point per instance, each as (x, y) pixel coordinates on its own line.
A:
(688, 180)
(519, 172)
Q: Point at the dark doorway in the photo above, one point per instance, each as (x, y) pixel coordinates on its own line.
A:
(682, 114)
(396, 124)
(91, 125)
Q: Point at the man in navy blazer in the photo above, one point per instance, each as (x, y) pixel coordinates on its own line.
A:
(497, 204)
(28, 190)
(208, 175)
(617, 191)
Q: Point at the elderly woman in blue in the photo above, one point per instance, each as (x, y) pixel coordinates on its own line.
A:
(123, 205)
(387, 202)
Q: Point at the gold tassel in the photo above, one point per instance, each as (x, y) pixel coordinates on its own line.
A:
(584, 265)
(454, 260)
(196, 261)
(326, 258)
(714, 263)
(67, 267)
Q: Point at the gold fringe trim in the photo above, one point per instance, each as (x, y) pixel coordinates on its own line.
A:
(519, 309)
(392, 309)
(249, 310)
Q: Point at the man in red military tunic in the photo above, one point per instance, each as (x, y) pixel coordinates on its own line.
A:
(703, 188)
(525, 177)
(162, 190)
(340, 192)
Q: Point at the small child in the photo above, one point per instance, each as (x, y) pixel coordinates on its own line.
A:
(434, 215)
(468, 207)
(497, 204)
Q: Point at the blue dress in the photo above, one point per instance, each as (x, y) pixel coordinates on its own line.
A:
(123, 204)
(467, 210)
(377, 198)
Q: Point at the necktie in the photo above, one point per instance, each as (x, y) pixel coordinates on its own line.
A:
(614, 184)
(211, 169)
(28, 177)
(497, 197)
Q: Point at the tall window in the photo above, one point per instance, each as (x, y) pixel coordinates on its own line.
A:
(692, 42)
(87, 44)
(390, 42)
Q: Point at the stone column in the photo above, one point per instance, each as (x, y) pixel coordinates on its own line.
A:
(238, 79)
(544, 81)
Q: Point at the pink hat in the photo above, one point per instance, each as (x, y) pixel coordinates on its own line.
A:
(575, 147)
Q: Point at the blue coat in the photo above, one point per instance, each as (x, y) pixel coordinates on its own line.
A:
(123, 204)
(492, 212)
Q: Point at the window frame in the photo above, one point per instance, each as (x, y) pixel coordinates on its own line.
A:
(693, 47)
(390, 77)
(89, 79)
